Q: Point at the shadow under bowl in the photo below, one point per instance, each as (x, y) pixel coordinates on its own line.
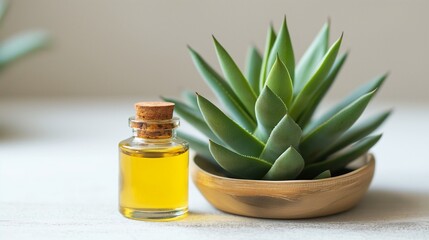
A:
(292, 199)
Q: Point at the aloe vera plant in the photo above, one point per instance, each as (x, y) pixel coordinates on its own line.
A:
(267, 129)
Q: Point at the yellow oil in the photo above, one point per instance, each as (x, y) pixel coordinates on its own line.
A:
(153, 183)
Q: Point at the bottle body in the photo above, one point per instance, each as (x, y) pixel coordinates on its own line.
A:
(153, 182)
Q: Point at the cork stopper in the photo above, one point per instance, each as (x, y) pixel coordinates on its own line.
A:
(154, 120)
(154, 110)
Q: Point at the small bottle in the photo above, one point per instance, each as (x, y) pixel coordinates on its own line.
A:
(153, 166)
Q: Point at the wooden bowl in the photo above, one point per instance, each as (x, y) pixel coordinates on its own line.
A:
(283, 199)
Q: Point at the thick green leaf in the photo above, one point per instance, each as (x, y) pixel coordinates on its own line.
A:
(193, 117)
(191, 99)
(369, 87)
(280, 83)
(355, 133)
(341, 160)
(223, 92)
(287, 133)
(271, 38)
(324, 174)
(269, 109)
(229, 131)
(283, 48)
(305, 96)
(20, 45)
(287, 167)
(324, 88)
(311, 58)
(324, 135)
(236, 79)
(239, 164)
(253, 68)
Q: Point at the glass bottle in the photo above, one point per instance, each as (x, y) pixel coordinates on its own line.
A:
(153, 166)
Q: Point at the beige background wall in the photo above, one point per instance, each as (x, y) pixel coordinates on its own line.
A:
(137, 47)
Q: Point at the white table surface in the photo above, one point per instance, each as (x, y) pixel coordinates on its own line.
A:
(58, 180)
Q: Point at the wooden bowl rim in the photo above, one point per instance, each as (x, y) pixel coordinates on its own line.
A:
(369, 163)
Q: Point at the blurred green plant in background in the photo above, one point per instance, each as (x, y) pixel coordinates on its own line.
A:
(21, 44)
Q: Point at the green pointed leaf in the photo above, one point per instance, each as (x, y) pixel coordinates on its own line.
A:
(229, 131)
(287, 133)
(358, 131)
(283, 48)
(20, 45)
(324, 88)
(270, 109)
(342, 159)
(239, 164)
(199, 146)
(193, 117)
(191, 99)
(280, 83)
(271, 38)
(324, 174)
(369, 87)
(236, 79)
(287, 167)
(223, 92)
(315, 142)
(311, 58)
(253, 68)
(304, 97)
(184, 109)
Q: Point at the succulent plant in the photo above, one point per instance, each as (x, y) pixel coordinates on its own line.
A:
(19, 45)
(268, 129)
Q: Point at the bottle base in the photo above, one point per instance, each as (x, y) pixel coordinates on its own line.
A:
(156, 215)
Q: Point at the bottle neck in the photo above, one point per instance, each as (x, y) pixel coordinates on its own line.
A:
(154, 130)
(141, 135)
